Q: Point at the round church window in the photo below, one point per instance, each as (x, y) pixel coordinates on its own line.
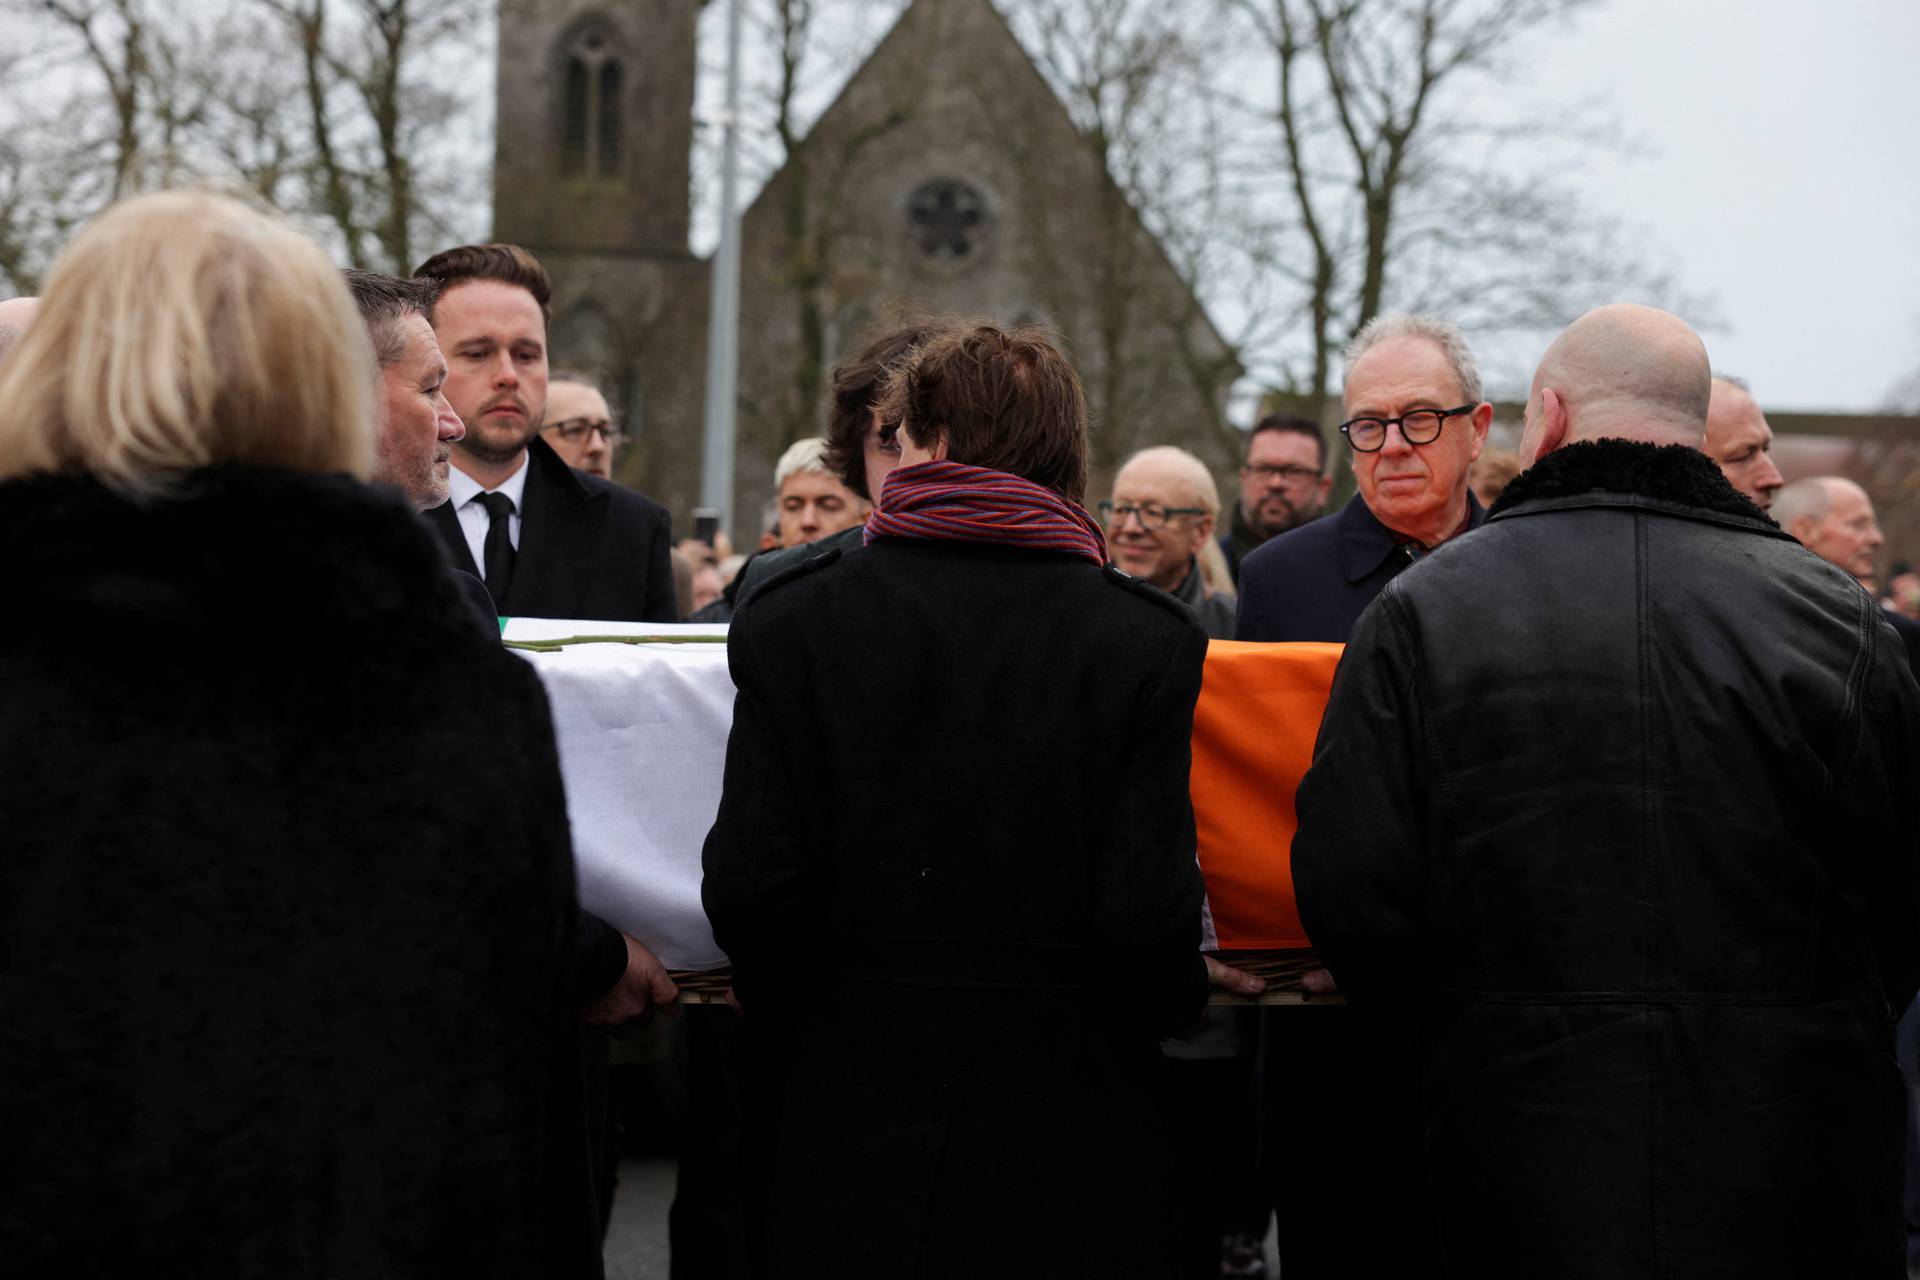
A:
(949, 219)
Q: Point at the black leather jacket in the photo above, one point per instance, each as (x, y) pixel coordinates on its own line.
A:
(1617, 792)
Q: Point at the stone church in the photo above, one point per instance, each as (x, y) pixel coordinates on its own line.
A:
(947, 178)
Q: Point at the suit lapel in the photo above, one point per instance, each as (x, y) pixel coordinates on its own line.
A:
(447, 525)
(559, 528)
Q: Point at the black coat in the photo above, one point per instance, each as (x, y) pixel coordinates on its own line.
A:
(1313, 582)
(1617, 793)
(954, 870)
(589, 548)
(286, 890)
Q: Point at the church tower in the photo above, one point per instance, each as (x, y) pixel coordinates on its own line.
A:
(592, 173)
(595, 123)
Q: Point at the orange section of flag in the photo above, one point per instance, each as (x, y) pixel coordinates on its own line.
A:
(1253, 730)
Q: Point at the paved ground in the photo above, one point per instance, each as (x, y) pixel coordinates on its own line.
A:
(637, 1239)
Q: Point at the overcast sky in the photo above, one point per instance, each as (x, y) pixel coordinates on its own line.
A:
(1772, 160)
(1780, 172)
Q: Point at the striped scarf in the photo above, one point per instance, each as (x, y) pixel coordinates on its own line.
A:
(956, 502)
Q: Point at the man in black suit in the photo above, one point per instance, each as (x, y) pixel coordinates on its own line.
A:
(548, 541)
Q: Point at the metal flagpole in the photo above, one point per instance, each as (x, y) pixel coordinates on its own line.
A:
(723, 321)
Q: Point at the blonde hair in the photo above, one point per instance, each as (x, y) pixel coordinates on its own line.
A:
(183, 329)
(807, 454)
(1215, 574)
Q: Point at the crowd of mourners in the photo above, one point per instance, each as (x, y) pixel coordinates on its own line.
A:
(1606, 848)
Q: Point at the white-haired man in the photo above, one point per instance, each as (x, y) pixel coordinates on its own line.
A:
(814, 502)
(1159, 521)
(1415, 423)
(1834, 518)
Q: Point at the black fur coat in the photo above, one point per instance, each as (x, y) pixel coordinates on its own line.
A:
(286, 883)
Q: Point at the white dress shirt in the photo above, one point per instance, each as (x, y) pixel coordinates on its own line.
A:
(465, 492)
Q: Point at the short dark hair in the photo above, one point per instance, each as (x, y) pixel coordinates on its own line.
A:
(1004, 399)
(386, 300)
(857, 384)
(1295, 424)
(507, 263)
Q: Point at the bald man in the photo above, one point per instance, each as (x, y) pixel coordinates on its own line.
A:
(15, 315)
(1740, 441)
(1614, 796)
(1834, 518)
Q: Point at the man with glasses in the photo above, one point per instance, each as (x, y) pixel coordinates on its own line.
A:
(1158, 522)
(1283, 483)
(579, 425)
(1336, 1091)
(1415, 423)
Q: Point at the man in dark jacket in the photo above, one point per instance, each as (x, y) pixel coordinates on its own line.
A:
(1415, 424)
(953, 863)
(1834, 518)
(1283, 484)
(549, 541)
(1637, 859)
(1160, 517)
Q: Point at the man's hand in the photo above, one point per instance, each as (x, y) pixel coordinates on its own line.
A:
(643, 988)
(1228, 978)
(1319, 983)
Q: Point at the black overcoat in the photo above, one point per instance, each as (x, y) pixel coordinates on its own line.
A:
(1313, 582)
(1618, 794)
(589, 548)
(285, 899)
(954, 870)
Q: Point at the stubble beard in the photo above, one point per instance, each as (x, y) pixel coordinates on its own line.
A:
(494, 445)
(1290, 518)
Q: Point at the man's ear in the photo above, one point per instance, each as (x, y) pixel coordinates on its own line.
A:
(1553, 414)
(1481, 418)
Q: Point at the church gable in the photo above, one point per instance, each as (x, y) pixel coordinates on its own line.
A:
(949, 178)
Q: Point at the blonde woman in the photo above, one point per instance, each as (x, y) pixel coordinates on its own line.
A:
(285, 874)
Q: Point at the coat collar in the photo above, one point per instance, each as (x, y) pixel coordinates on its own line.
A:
(1631, 473)
(1366, 544)
(559, 527)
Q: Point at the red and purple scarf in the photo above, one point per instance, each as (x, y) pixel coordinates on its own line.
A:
(952, 501)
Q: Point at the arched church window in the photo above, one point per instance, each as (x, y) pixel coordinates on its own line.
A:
(591, 108)
(949, 219)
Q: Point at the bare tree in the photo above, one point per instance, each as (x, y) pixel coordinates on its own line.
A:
(813, 196)
(1391, 187)
(1133, 76)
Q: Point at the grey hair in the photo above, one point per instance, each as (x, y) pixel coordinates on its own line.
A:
(1406, 324)
(1809, 497)
(386, 300)
(1733, 380)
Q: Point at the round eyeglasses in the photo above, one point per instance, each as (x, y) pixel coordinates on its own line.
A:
(1417, 427)
(1151, 514)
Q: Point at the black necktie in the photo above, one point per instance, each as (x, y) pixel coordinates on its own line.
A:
(499, 547)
